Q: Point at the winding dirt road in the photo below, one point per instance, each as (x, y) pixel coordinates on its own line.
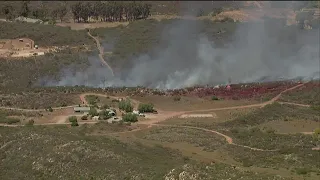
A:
(49, 124)
(35, 110)
(101, 52)
(227, 138)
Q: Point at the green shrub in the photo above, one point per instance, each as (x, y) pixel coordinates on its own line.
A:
(30, 122)
(73, 119)
(63, 105)
(247, 163)
(270, 131)
(74, 123)
(177, 98)
(130, 117)
(93, 112)
(114, 100)
(85, 117)
(316, 133)
(105, 106)
(12, 120)
(6, 120)
(52, 22)
(214, 98)
(302, 171)
(316, 107)
(142, 108)
(92, 99)
(126, 105)
(104, 115)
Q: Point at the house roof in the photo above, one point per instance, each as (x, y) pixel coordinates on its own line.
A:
(81, 108)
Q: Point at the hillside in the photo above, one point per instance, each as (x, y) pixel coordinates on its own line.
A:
(159, 90)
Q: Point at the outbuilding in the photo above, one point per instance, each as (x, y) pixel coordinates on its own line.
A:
(95, 118)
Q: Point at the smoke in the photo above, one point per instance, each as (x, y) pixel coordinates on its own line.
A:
(186, 57)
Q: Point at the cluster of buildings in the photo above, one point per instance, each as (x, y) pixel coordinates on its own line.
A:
(14, 47)
(85, 111)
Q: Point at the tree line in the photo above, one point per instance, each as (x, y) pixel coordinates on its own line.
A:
(110, 11)
(107, 11)
(40, 11)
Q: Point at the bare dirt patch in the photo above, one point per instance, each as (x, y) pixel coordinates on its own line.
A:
(209, 122)
(57, 116)
(212, 115)
(22, 47)
(82, 26)
(189, 103)
(246, 15)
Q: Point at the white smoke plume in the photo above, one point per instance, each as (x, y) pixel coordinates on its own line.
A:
(185, 57)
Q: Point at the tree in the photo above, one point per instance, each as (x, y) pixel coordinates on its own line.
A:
(36, 13)
(50, 109)
(200, 13)
(76, 10)
(104, 115)
(302, 16)
(146, 10)
(74, 123)
(62, 12)
(44, 12)
(9, 12)
(73, 119)
(97, 9)
(126, 105)
(84, 11)
(145, 108)
(110, 11)
(24, 11)
(214, 98)
(137, 11)
(30, 122)
(54, 13)
(316, 133)
(130, 117)
(92, 99)
(93, 112)
(85, 117)
(177, 98)
(105, 106)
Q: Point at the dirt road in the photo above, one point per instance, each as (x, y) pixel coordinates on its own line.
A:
(36, 110)
(101, 52)
(48, 124)
(228, 139)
